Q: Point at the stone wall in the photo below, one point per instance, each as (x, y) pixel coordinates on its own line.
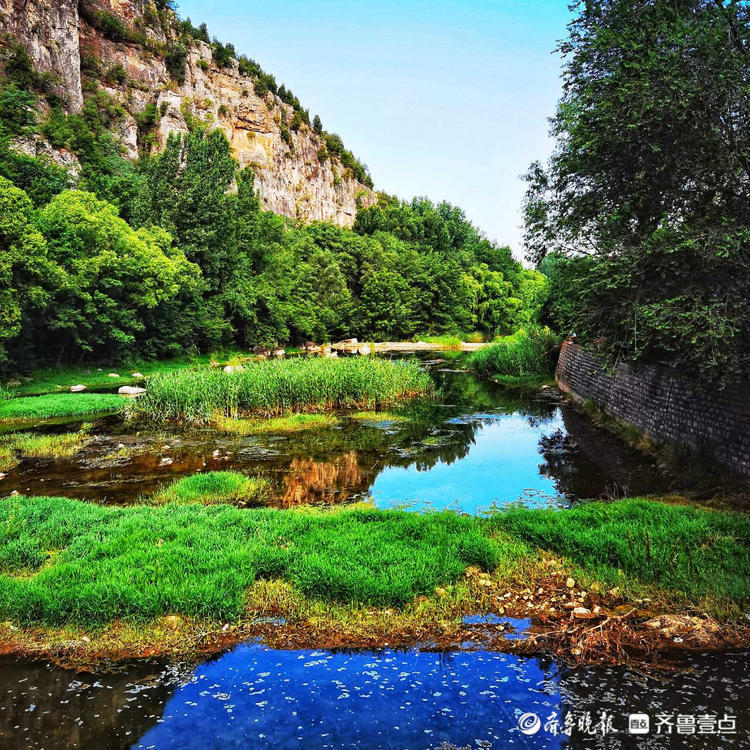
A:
(666, 407)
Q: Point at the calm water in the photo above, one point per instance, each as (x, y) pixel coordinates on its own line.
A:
(258, 697)
(478, 445)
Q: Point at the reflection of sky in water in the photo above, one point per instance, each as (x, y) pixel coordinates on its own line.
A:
(502, 465)
(257, 697)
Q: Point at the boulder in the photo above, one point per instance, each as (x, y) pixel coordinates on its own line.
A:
(113, 375)
(77, 388)
(130, 390)
(229, 369)
(137, 375)
(279, 352)
(13, 383)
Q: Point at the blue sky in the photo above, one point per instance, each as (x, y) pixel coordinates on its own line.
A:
(444, 99)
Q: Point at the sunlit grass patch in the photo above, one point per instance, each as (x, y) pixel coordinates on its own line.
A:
(685, 550)
(378, 416)
(15, 446)
(288, 423)
(143, 562)
(59, 405)
(214, 488)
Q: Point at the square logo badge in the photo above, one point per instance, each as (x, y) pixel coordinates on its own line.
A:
(639, 723)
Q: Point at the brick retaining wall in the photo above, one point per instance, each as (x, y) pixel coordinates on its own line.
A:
(666, 407)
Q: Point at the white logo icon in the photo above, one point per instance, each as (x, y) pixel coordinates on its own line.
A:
(529, 723)
(639, 723)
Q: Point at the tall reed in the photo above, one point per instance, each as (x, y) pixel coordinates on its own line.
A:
(274, 387)
(530, 351)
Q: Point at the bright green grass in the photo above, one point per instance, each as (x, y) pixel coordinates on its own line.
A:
(688, 550)
(17, 445)
(289, 423)
(530, 351)
(214, 488)
(276, 387)
(56, 379)
(59, 405)
(66, 561)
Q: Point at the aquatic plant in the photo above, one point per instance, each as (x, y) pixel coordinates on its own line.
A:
(275, 387)
(530, 351)
(214, 488)
(287, 423)
(17, 445)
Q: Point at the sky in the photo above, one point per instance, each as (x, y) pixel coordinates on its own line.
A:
(444, 99)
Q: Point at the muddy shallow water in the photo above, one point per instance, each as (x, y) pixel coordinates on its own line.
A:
(479, 444)
(254, 696)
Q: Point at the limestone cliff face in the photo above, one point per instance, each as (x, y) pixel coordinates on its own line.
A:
(68, 39)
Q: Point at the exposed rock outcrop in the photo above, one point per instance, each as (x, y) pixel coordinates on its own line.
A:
(75, 43)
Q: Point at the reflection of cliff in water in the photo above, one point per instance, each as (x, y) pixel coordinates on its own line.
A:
(324, 482)
(44, 707)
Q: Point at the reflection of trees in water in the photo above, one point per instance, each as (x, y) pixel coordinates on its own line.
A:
(78, 711)
(586, 461)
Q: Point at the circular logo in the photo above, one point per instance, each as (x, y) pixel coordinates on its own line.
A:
(529, 723)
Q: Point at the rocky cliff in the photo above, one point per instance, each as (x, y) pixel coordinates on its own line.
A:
(136, 51)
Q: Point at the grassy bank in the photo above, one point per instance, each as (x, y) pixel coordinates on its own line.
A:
(530, 351)
(691, 552)
(274, 387)
(65, 562)
(58, 406)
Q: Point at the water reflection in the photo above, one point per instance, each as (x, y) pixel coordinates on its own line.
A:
(254, 696)
(476, 445)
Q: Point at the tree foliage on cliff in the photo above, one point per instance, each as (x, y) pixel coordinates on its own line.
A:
(642, 215)
(174, 253)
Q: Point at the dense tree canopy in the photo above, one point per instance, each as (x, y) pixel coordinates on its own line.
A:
(646, 199)
(174, 253)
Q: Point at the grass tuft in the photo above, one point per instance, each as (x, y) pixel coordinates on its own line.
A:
(214, 488)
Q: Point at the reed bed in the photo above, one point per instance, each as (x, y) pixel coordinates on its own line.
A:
(530, 351)
(275, 387)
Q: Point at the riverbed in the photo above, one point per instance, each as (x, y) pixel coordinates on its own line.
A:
(477, 446)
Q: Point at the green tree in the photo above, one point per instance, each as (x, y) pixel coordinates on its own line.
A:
(651, 180)
(113, 274)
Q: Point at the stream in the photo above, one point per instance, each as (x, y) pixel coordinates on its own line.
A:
(479, 445)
